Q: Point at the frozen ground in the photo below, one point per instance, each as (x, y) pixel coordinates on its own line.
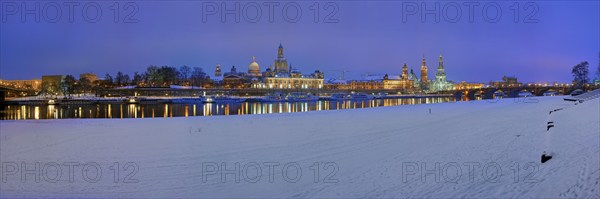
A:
(482, 150)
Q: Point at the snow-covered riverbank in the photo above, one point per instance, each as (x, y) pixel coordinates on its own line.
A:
(467, 149)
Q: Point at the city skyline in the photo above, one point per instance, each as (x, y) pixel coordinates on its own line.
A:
(362, 42)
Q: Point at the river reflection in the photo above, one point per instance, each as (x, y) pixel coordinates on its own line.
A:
(26, 112)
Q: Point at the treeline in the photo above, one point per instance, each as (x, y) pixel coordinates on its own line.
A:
(154, 76)
(162, 76)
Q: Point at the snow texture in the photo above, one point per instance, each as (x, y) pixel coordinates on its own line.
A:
(376, 152)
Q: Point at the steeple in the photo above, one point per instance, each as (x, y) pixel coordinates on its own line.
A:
(424, 78)
(440, 70)
(441, 62)
(280, 64)
(280, 51)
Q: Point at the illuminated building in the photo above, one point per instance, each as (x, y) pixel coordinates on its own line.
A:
(507, 82)
(293, 83)
(463, 85)
(90, 76)
(424, 79)
(51, 84)
(366, 85)
(233, 79)
(412, 76)
(403, 82)
(254, 68)
(440, 83)
(280, 76)
(218, 70)
(280, 64)
(33, 84)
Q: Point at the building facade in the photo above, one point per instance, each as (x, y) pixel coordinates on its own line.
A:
(366, 85)
(280, 75)
(293, 83)
(403, 82)
(440, 83)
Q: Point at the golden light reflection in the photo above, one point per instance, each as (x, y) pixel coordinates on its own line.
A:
(187, 107)
(51, 112)
(194, 107)
(36, 113)
(166, 110)
(131, 110)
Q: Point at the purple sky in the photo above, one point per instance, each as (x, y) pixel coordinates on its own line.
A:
(370, 38)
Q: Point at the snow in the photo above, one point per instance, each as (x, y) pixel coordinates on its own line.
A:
(371, 152)
(125, 87)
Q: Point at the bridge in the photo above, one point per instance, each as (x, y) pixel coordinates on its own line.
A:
(485, 93)
(11, 92)
(475, 93)
(513, 91)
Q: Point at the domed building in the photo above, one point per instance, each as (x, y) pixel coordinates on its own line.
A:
(254, 68)
(218, 70)
(280, 75)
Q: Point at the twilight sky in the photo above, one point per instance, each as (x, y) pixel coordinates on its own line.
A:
(369, 38)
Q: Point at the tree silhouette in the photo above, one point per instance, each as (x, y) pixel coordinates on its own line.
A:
(68, 85)
(580, 73)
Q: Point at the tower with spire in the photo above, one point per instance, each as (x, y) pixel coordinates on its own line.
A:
(440, 84)
(280, 51)
(280, 64)
(404, 72)
(440, 76)
(424, 79)
(218, 70)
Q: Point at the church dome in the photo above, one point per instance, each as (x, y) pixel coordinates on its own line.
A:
(253, 67)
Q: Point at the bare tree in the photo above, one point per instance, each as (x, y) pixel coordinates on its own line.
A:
(184, 75)
(580, 73)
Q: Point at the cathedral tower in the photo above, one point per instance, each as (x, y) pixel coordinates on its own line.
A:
(424, 71)
(440, 75)
(281, 65)
(404, 72)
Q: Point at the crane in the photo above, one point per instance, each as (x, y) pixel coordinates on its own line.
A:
(344, 71)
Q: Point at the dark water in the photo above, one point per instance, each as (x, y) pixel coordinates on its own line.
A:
(35, 112)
